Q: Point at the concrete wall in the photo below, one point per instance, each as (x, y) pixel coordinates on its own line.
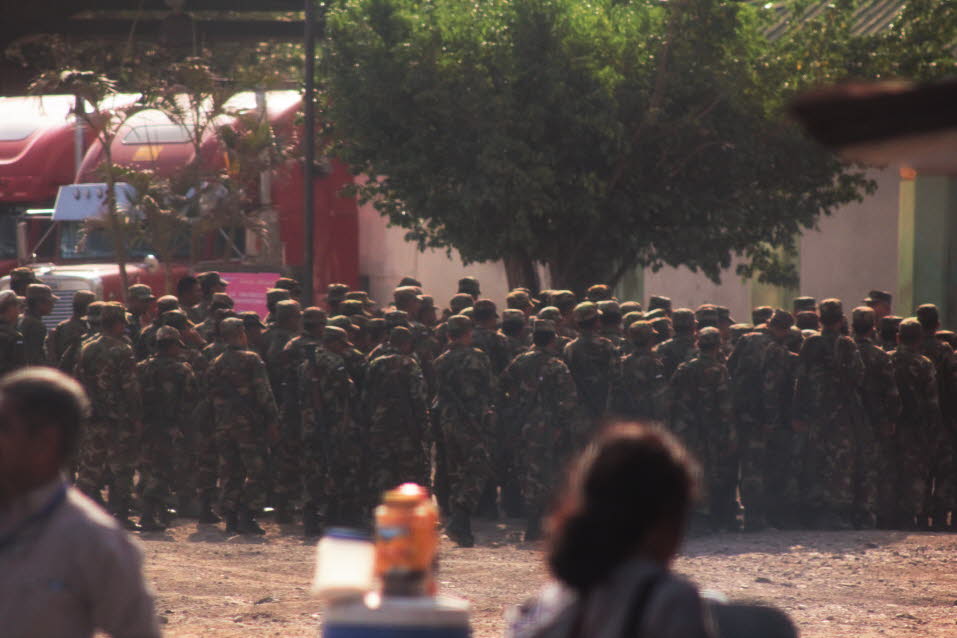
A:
(385, 257)
(855, 250)
(690, 290)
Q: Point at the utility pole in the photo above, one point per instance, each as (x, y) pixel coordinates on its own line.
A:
(309, 154)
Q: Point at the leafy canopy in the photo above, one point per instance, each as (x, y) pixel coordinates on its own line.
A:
(595, 136)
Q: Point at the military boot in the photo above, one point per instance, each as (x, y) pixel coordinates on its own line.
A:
(283, 511)
(148, 520)
(232, 522)
(247, 523)
(206, 514)
(311, 525)
(533, 528)
(459, 529)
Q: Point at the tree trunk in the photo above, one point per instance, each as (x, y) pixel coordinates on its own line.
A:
(119, 241)
(521, 273)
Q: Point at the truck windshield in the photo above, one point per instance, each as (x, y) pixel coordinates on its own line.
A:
(8, 235)
(76, 244)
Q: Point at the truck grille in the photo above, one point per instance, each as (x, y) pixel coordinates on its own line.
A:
(63, 287)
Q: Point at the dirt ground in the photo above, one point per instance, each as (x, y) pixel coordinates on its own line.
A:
(833, 584)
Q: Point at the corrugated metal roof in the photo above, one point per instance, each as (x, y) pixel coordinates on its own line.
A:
(869, 18)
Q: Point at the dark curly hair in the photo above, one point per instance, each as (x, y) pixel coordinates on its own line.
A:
(631, 478)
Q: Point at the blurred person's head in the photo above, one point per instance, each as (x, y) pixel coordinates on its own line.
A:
(41, 410)
(189, 291)
(629, 496)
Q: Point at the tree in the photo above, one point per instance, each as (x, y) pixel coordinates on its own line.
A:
(596, 137)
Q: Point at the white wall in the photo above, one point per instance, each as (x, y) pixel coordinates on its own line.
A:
(385, 258)
(690, 290)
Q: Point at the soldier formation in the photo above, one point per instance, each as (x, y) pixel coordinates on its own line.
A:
(798, 419)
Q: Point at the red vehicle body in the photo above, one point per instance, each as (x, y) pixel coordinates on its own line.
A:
(45, 160)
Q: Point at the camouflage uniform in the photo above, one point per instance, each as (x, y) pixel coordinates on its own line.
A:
(675, 351)
(170, 390)
(783, 448)
(12, 355)
(66, 333)
(641, 392)
(395, 398)
(495, 345)
(334, 450)
(700, 415)
(595, 366)
(829, 372)
(462, 411)
(244, 411)
(540, 411)
(882, 406)
(916, 433)
(107, 370)
(34, 338)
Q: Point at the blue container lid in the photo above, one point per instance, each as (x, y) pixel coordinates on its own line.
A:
(347, 533)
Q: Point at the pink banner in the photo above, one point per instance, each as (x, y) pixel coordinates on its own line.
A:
(248, 290)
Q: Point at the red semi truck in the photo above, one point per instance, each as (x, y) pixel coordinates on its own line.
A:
(149, 140)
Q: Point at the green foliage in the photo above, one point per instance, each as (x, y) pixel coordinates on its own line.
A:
(597, 135)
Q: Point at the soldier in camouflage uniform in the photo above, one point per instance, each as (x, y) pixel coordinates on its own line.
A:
(354, 359)
(169, 389)
(916, 432)
(515, 329)
(610, 313)
(680, 348)
(540, 405)
(463, 414)
(273, 297)
(107, 370)
(943, 464)
(486, 336)
(12, 355)
(287, 324)
(219, 301)
(40, 300)
(777, 489)
(141, 307)
(887, 328)
(657, 302)
(630, 318)
(246, 418)
(641, 392)
(881, 403)
(565, 301)
(69, 331)
(700, 415)
(145, 345)
(827, 405)
(396, 404)
(69, 358)
(21, 278)
(457, 304)
(594, 364)
(189, 292)
(292, 285)
(211, 283)
(470, 286)
(333, 440)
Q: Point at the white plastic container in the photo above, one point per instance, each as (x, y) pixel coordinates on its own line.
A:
(344, 565)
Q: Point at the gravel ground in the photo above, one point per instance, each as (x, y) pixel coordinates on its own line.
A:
(833, 584)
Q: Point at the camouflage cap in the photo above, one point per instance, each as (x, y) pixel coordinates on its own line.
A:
(657, 301)
(8, 297)
(221, 300)
(808, 320)
(927, 314)
(460, 302)
(23, 275)
(176, 318)
(211, 278)
(400, 336)
(395, 318)
(738, 330)
(405, 294)
(350, 307)
(662, 326)
(724, 315)
(85, 297)
(468, 312)
(140, 292)
(335, 334)
(287, 309)
(585, 311)
(341, 321)
(484, 309)
(288, 283)
(707, 316)
(41, 291)
(655, 313)
(888, 325)
(458, 325)
(781, 319)
(169, 334)
(609, 308)
(94, 309)
(409, 281)
(878, 296)
(802, 304)
(428, 301)
(630, 306)
(683, 319)
(563, 298)
(910, 331)
(358, 295)
(275, 295)
(513, 317)
(544, 326)
(761, 314)
(551, 313)
(709, 338)
(231, 326)
(631, 318)
(947, 336)
(112, 311)
(359, 321)
(641, 332)
(166, 303)
(518, 299)
(336, 292)
(313, 316)
(376, 326)
(598, 292)
(831, 311)
(863, 315)
(470, 286)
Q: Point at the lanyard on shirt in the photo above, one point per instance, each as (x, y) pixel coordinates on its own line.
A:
(8, 539)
